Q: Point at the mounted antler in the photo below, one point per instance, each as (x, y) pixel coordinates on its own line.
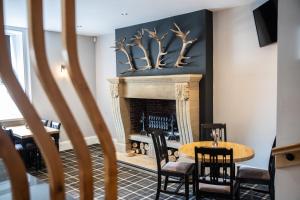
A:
(153, 34)
(185, 42)
(121, 46)
(137, 41)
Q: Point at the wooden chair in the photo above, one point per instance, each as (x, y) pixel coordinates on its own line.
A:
(258, 176)
(168, 169)
(214, 185)
(206, 131)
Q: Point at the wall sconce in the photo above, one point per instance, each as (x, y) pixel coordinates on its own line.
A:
(62, 68)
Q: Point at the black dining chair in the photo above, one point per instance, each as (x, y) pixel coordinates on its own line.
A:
(45, 122)
(20, 149)
(55, 125)
(251, 175)
(175, 170)
(206, 131)
(216, 184)
(38, 155)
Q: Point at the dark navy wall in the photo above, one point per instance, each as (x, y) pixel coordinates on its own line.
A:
(200, 25)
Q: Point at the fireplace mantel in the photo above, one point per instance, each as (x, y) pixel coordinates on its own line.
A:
(184, 89)
(155, 87)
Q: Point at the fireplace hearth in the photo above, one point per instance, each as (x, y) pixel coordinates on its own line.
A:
(146, 103)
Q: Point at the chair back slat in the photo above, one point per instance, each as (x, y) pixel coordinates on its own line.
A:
(87, 99)
(45, 122)
(160, 146)
(42, 139)
(55, 125)
(212, 160)
(11, 159)
(42, 69)
(207, 129)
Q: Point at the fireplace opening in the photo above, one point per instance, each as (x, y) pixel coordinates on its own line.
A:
(148, 115)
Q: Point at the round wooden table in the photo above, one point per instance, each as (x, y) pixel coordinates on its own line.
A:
(240, 152)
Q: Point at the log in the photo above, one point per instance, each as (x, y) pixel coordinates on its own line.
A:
(176, 154)
(134, 144)
(137, 151)
(172, 158)
(133, 149)
(141, 145)
(143, 151)
(170, 152)
(131, 153)
(146, 147)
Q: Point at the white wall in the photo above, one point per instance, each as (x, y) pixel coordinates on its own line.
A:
(244, 82)
(86, 48)
(288, 110)
(105, 68)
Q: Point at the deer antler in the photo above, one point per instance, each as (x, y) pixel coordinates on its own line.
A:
(121, 46)
(153, 35)
(137, 41)
(185, 42)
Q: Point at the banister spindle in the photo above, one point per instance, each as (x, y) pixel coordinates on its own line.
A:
(87, 99)
(42, 69)
(42, 139)
(17, 175)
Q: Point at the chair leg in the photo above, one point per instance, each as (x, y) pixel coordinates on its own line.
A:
(36, 158)
(158, 186)
(194, 182)
(166, 182)
(272, 191)
(237, 193)
(186, 184)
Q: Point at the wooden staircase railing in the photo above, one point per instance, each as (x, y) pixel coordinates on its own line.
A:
(44, 142)
(287, 156)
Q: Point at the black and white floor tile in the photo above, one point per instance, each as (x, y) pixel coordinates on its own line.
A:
(133, 183)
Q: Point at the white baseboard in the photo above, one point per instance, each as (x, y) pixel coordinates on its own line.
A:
(66, 145)
(243, 165)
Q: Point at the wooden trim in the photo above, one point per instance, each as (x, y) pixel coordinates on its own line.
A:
(17, 175)
(287, 156)
(87, 99)
(42, 139)
(42, 69)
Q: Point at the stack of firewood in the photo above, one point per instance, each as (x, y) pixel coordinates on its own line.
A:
(140, 147)
(173, 154)
(143, 148)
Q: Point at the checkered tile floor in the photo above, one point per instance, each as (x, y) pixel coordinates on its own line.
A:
(133, 183)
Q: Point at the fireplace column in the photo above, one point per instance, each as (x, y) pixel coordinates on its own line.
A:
(186, 112)
(121, 117)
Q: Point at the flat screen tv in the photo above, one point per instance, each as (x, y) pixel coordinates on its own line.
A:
(265, 17)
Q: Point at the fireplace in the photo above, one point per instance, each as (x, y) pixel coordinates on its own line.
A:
(147, 115)
(145, 103)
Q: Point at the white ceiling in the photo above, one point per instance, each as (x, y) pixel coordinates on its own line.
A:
(103, 16)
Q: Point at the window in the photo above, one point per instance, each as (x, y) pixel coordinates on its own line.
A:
(8, 109)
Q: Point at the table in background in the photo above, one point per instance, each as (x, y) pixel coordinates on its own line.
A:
(23, 135)
(240, 152)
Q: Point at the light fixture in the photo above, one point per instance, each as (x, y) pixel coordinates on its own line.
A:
(124, 13)
(62, 68)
